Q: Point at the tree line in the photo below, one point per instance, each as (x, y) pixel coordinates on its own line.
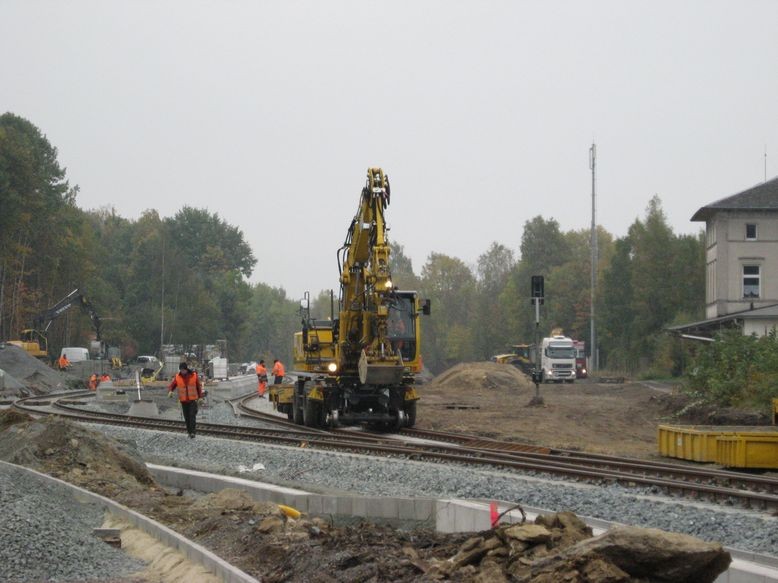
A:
(184, 279)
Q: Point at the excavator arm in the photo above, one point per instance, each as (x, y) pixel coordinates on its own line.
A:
(34, 340)
(366, 289)
(43, 321)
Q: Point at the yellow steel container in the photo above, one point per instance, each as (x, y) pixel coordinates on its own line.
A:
(690, 442)
(748, 450)
(731, 446)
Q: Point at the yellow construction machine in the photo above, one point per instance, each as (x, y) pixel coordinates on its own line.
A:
(35, 341)
(520, 357)
(359, 366)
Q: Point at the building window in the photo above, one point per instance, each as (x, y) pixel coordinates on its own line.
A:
(710, 287)
(750, 231)
(711, 233)
(751, 276)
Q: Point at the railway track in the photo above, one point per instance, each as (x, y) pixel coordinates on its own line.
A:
(719, 486)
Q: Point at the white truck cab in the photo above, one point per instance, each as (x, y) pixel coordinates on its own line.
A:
(558, 359)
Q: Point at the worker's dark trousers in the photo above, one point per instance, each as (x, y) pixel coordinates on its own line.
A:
(190, 415)
(278, 380)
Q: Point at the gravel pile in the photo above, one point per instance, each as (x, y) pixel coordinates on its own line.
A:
(733, 527)
(46, 535)
(27, 371)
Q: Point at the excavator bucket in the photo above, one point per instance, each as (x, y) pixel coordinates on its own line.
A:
(379, 373)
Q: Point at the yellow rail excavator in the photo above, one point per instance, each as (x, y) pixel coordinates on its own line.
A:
(359, 366)
(34, 340)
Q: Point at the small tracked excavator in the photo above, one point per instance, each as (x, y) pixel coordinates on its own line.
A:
(359, 366)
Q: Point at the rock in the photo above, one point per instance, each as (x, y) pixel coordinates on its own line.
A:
(490, 572)
(643, 553)
(528, 533)
(271, 523)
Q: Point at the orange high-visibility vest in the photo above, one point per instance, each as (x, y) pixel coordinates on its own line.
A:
(187, 388)
(278, 369)
(63, 361)
(93, 382)
(261, 372)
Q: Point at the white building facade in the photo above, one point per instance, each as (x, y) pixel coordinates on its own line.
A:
(741, 285)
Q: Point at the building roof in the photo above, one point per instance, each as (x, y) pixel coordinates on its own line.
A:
(707, 328)
(762, 197)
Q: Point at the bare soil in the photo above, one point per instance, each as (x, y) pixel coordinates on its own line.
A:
(493, 400)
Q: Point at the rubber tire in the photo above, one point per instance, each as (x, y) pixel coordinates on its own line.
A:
(311, 412)
(410, 414)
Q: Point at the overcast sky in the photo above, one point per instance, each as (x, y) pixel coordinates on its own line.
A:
(481, 113)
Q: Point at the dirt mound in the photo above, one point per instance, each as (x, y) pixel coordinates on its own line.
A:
(30, 376)
(70, 452)
(682, 408)
(486, 375)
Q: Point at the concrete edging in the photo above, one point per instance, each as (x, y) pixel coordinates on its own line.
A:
(191, 550)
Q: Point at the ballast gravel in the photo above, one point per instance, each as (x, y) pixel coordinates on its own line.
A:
(336, 472)
(46, 534)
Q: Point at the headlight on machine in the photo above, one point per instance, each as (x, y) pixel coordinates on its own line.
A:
(332, 367)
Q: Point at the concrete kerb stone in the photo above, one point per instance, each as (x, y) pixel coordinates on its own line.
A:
(385, 509)
(186, 547)
(113, 394)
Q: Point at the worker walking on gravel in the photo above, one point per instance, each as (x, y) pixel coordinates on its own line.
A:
(262, 379)
(278, 372)
(190, 391)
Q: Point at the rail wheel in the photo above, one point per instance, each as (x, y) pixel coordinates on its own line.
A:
(410, 414)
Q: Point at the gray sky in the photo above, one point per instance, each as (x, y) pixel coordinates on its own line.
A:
(481, 113)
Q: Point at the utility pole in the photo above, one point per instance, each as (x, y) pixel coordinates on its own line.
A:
(593, 364)
(162, 304)
(537, 296)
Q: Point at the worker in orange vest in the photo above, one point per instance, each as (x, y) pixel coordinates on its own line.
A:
(278, 372)
(93, 382)
(63, 363)
(262, 379)
(190, 391)
(105, 377)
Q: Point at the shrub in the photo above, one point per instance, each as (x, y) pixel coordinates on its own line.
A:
(736, 370)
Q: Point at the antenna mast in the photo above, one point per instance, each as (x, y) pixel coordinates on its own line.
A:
(593, 363)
